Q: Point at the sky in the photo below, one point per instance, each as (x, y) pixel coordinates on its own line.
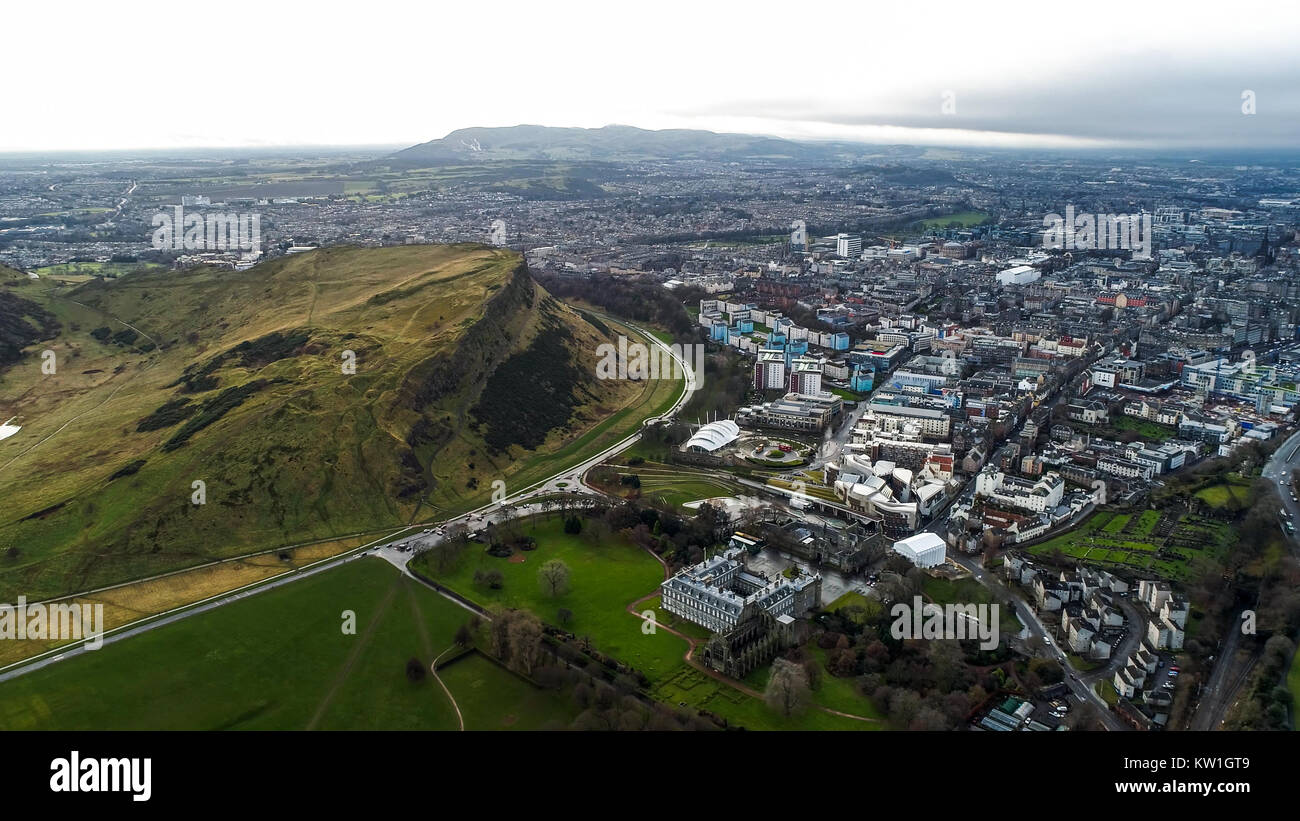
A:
(223, 73)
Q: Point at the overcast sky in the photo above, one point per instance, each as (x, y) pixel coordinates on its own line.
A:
(189, 73)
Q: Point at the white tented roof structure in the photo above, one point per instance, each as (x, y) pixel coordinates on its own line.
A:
(714, 435)
(922, 550)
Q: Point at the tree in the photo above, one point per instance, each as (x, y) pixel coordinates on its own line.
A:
(516, 639)
(443, 556)
(787, 689)
(463, 637)
(554, 578)
(566, 615)
(414, 669)
(904, 705)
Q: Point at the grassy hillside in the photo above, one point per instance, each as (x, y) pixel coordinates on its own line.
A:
(235, 379)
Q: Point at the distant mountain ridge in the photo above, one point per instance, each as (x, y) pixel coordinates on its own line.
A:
(610, 143)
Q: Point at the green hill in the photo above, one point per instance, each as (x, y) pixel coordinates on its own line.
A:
(236, 379)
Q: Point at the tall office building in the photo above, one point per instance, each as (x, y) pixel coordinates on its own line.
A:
(848, 246)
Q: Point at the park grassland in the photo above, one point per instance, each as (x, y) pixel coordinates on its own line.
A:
(965, 219)
(135, 601)
(279, 660)
(605, 578)
(316, 453)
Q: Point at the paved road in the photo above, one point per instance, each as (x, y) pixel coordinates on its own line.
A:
(1279, 470)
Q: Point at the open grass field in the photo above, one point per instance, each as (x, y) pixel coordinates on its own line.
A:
(1235, 492)
(491, 698)
(1147, 542)
(303, 450)
(604, 579)
(279, 660)
(139, 600)
(965, 218)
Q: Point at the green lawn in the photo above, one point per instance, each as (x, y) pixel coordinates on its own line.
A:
(852, 597)
(1080, 663)
(1234, 492)
(965, 218)
(1117, 523)
(491, 698)
(679, 491)
(1106, 689)
(604, 580)
(1146, 523)
(279, 660)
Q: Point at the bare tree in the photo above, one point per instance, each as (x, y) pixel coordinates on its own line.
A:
(787, 690)
(554, 578)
